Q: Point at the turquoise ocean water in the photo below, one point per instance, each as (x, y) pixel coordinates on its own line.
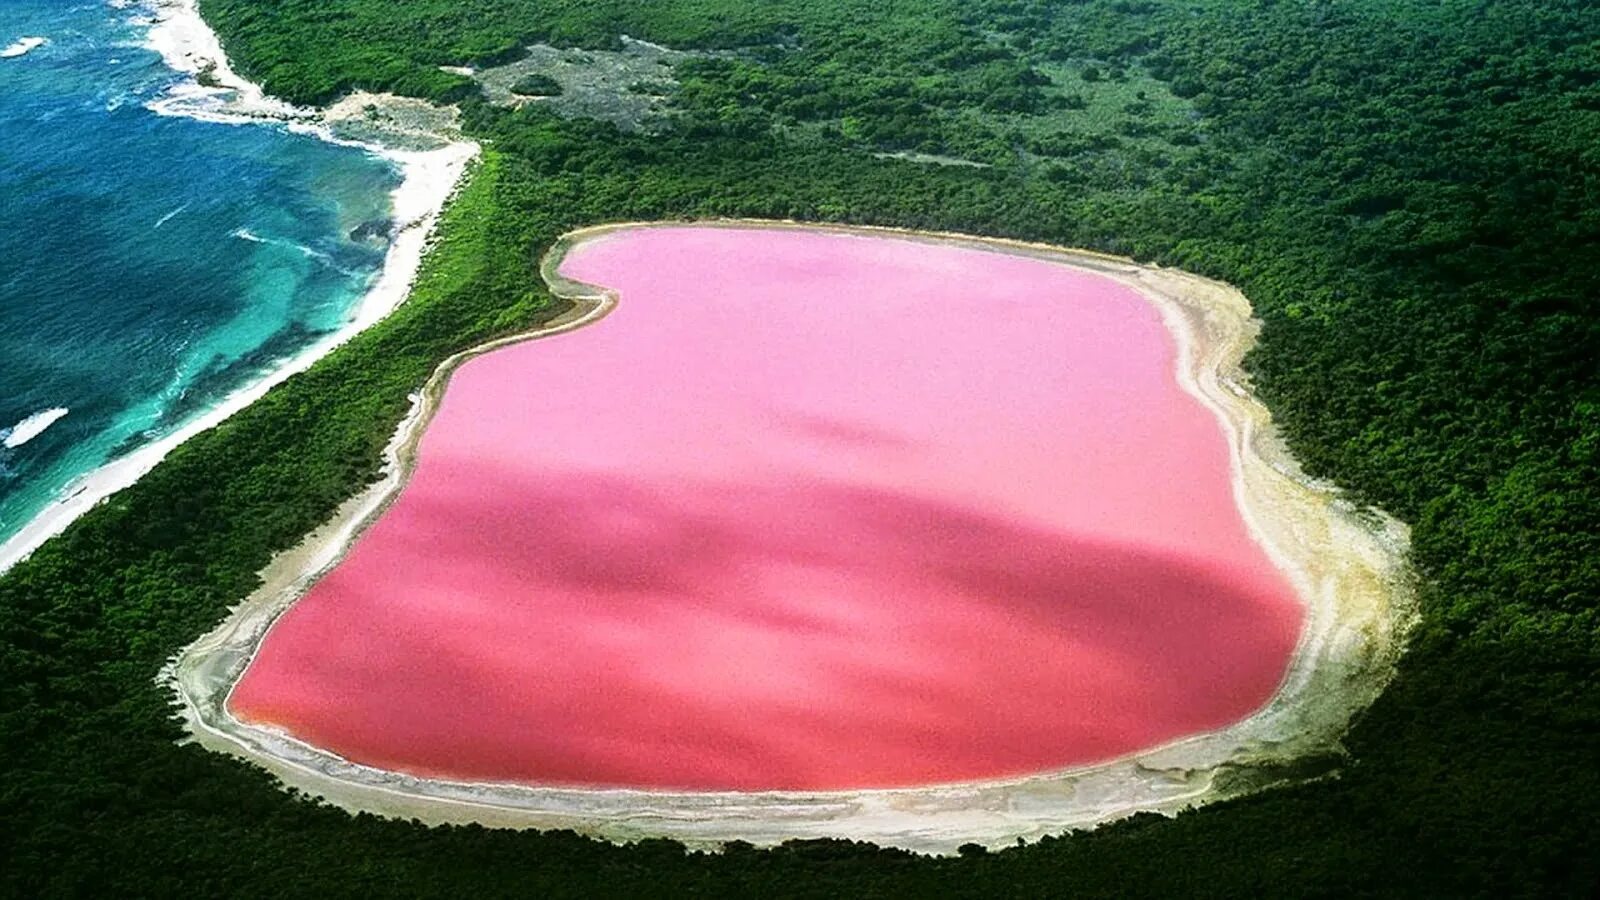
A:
(149, 264)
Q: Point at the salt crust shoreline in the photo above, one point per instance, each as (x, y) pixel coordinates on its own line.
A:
(1347, 566)
(428, 179)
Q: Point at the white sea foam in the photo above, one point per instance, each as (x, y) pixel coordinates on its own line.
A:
(22, 46)
(319, 256)
(187, 44)
(245, 234)
(31, 427)
(168, 217)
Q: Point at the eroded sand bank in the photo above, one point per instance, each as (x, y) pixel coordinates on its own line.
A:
(1346, 567)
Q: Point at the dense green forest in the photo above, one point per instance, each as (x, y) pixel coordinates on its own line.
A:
(1407, 190)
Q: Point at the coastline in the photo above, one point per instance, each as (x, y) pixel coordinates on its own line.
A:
(1346, 565)
(428, 179)
(188, 45)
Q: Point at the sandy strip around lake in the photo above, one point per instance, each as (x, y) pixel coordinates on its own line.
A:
(428, 180)
(1347, 565)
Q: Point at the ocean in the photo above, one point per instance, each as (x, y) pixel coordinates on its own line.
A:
(151, 263)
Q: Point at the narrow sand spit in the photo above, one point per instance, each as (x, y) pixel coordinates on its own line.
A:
(1347, 565)
(428, 179)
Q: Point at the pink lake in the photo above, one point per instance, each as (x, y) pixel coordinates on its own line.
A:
(806, 511)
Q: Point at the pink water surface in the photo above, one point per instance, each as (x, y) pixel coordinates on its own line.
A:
(806, 511)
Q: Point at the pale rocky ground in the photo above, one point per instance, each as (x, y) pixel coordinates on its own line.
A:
(398, 122)
(628, 87)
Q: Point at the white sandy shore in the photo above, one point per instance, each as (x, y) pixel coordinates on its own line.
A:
(428, 178)
(1347, 566)
(187, 44)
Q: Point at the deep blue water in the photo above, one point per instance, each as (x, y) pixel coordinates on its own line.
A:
(150, 264)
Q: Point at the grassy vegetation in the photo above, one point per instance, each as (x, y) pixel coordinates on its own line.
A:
(1407, 191)
(536, 85)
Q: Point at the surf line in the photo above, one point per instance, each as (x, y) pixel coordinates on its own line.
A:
(32, 426)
